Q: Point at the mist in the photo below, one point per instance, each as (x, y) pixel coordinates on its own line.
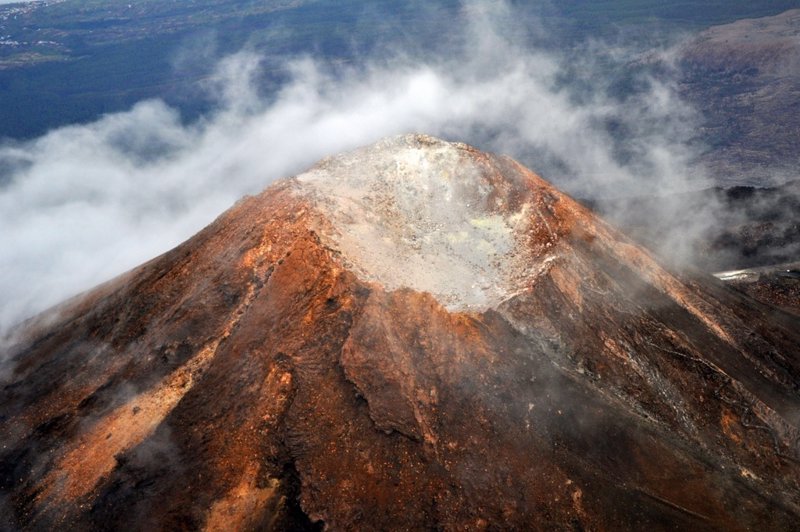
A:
(84, 203)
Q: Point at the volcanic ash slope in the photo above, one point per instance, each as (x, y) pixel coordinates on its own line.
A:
(412, 335)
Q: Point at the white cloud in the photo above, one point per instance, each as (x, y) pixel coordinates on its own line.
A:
(87, 202)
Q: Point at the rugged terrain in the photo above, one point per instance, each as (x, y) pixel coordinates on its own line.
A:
(713, 229)
(412, 335)
(745, 78)
(69, 61)
(748, 236)
(777, 285)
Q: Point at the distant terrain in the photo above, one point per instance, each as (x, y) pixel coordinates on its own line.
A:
(69, 61)
(745, 79)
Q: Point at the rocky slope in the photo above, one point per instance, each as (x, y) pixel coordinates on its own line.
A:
(413, 335)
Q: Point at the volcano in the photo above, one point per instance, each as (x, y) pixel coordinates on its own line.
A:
(413, 335)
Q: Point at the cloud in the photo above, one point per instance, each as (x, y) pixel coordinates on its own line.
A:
(87, 202)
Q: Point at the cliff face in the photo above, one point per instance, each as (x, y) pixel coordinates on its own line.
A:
(412, 335)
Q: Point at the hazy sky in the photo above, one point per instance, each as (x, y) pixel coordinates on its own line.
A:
(87, 202)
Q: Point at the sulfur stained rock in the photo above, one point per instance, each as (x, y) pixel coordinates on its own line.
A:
(412, 335)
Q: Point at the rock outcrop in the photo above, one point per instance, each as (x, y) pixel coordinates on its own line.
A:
(413, 335)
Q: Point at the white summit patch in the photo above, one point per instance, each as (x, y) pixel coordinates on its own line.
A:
(417, 212)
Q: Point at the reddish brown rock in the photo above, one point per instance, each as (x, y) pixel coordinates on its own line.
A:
(413, 335)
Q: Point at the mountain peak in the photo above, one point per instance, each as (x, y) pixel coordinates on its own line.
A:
(412, 335)
(433, 216)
